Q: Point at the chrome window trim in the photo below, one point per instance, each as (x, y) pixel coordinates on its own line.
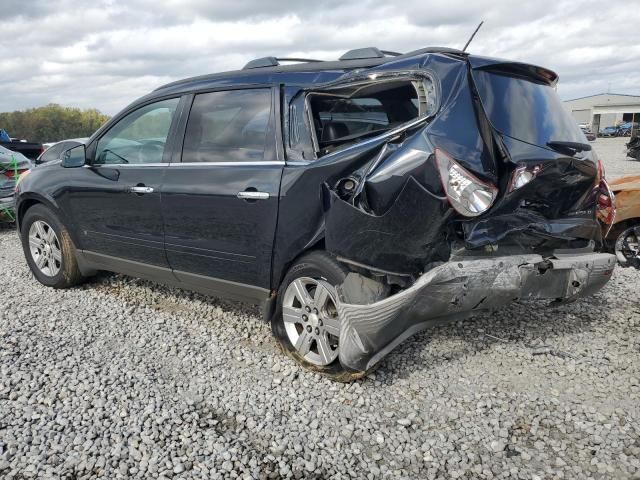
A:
(179, 164)
(252, 164)
(125, 165)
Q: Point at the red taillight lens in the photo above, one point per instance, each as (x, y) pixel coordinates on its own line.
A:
(605, 203)
(13, 174)
(601, 172)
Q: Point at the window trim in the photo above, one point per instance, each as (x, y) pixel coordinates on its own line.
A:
(273, 154)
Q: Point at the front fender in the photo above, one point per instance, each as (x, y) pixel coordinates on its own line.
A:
(26, 199)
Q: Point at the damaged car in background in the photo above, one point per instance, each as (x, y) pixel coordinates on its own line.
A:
(624, 237)
(12, 166)
(359, 200)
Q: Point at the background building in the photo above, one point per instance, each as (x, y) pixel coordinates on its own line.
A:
(605, 109)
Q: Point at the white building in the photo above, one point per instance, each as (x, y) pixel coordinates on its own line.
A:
(605, 109)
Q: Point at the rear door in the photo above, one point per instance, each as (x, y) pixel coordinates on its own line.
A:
(115, 200)
(220, 195)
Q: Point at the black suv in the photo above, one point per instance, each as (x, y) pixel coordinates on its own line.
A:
(359, 201)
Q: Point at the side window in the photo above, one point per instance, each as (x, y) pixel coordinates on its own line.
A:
(228, 126)
(138, 138)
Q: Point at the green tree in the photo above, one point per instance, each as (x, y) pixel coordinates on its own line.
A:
(52, 123)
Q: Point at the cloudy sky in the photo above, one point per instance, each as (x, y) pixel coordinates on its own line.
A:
(106, 53)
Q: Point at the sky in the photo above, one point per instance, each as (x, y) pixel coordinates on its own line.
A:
(106, 53)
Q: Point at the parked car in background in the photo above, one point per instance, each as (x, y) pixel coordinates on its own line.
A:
(624, 237)
(12, 165)
(359, 201)
(31, 150)
(608, 132)
(588, 134)
(627, 129)
(55, 151)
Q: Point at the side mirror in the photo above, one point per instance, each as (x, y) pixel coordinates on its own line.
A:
(74, 157)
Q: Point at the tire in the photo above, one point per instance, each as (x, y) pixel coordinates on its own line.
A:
(614, 243)
(57, 254)
(318, 273)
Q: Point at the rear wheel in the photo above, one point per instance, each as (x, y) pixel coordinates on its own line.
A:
(306, 322)
(48, 249)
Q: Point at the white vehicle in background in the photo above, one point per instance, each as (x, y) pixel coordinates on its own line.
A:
(55, 150)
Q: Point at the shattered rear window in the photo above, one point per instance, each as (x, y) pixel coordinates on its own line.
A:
(347, 115)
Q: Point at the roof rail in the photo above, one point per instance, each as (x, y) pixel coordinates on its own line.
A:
(274, 62)
(367, 52)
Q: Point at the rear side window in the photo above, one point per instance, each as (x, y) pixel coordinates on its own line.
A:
(525, 110)
(228, 126)
(346, 115)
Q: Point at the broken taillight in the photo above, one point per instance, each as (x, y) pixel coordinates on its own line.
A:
(521, 176)
(467, 194)
(605, 203)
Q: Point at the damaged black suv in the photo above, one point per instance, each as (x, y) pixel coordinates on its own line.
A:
(359, 201)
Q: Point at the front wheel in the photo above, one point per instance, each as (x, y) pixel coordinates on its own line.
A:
(306, 322)
(48, 249)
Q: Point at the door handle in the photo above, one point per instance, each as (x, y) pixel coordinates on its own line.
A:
(140, 190)
(253, 195)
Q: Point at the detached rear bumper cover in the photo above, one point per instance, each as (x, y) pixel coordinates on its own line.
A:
(456, 289)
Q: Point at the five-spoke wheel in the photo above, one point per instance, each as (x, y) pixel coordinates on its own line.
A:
(306, 321)
(311, 319)
(45, 248)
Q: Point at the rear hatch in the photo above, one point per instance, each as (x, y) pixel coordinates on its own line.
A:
(548, 172)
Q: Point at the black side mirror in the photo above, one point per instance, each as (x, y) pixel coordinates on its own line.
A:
(74, 157)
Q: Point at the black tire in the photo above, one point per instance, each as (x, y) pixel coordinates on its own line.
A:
(614, 236)
(69, 274)
(319, 265)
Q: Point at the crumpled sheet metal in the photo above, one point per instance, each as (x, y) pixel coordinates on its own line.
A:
(456, 289)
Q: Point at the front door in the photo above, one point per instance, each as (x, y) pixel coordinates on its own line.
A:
(220, 202)
(117, 208)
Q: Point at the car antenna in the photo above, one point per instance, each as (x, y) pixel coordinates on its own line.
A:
(472, 35)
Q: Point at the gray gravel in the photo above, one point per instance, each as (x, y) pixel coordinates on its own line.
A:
(124, 379)
(613, 153)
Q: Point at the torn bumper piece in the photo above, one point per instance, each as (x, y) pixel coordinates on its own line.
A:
(458, 288)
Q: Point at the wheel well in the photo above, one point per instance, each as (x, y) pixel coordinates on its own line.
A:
(619, 227)
(319, 245)
(24, 206)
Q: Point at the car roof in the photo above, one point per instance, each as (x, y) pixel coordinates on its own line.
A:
(303, 73)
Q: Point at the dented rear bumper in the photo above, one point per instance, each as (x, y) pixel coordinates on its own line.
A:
(456, 289)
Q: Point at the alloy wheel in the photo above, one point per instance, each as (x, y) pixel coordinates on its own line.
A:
(311, 320)
(628, 247)
(45, 248)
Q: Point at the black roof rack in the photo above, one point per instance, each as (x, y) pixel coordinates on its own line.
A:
(274, 62)
(367, 52)
(355, 54)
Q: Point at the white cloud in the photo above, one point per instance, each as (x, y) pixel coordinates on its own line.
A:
(108, 53)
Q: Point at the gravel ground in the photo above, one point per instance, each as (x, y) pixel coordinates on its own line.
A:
(124, 379)
(613, 153)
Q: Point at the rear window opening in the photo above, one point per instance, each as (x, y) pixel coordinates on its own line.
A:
(346, 115)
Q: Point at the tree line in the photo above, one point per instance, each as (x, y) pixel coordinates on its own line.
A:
(52, 123)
